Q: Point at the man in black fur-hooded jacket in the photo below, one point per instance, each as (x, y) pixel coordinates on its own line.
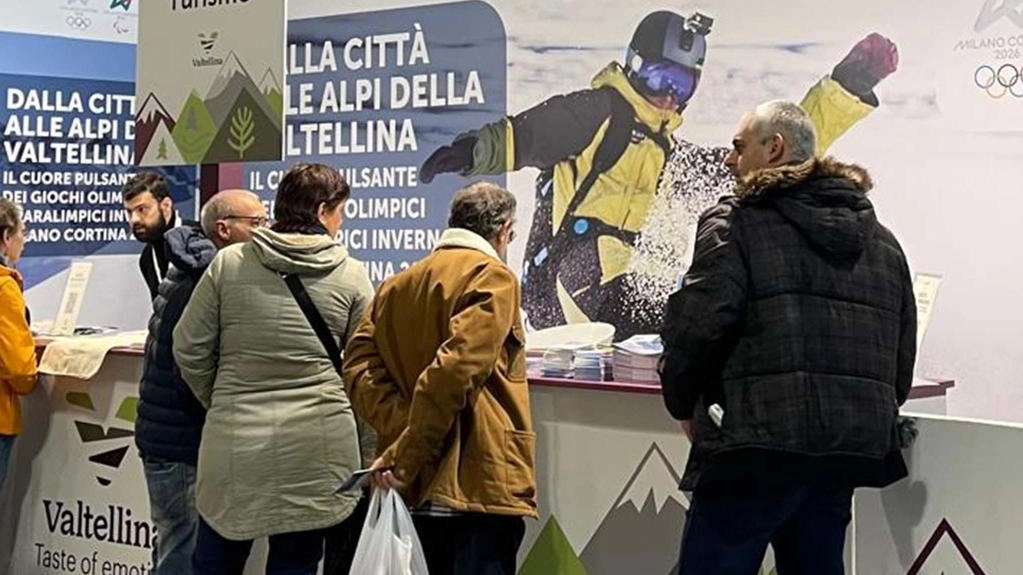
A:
(797, 318)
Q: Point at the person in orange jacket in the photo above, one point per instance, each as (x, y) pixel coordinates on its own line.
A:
(17, 347)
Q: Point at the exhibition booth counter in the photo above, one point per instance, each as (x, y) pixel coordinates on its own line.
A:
(608, 465)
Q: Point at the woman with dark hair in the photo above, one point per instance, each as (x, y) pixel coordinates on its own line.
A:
(17, 347)
(280, 436)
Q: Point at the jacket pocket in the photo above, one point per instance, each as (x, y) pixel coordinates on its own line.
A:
(520, 448)
(515, 354)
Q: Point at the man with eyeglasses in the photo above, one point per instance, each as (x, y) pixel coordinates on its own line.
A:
(170, 419)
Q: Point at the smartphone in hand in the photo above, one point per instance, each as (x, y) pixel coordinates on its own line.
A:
(358, 480)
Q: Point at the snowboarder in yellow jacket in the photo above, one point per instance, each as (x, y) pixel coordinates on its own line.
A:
(602, 152)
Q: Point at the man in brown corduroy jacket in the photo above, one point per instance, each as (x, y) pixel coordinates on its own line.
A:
(438, 369)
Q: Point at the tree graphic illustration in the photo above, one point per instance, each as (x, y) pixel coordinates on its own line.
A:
(161, 153)
(196, 130)
(242, 128)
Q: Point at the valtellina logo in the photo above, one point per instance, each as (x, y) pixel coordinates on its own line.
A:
(112, 523)
(89, 432)
(208, 42)
(1007, 9)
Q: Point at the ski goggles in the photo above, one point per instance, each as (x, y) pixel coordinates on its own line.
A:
(668, 78)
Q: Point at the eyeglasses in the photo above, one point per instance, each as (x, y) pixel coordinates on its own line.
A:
(258, 221)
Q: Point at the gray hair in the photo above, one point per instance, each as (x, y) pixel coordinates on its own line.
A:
(218, 208)
(482, 208)
(792, 123)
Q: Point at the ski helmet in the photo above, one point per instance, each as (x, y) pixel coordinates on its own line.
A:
(666, 54)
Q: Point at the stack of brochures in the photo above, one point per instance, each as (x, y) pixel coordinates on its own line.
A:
(636, 359)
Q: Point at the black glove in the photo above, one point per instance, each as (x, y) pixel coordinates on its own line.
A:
(871, 60)
(454, 158)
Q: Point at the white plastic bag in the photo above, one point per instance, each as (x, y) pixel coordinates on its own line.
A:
(388, 544)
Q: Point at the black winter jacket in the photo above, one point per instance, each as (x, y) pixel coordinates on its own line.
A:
(170, 418)
(798, 317)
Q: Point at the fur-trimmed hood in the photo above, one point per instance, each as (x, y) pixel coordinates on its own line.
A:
(762, 182)
(824, 199)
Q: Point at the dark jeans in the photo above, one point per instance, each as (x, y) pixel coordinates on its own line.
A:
(470, 544)
(727, 530)
(343, 539)
(172, 505)
(6, 447)
(290, 553)
(296, 553)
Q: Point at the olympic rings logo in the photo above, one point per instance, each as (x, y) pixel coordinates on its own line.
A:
(1006, 79)
(78, 21)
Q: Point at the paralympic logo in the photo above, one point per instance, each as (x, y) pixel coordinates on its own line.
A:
(997, 82)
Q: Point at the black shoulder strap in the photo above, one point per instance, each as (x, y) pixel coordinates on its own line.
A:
(610, 149)
(617, 136)
(315, 319)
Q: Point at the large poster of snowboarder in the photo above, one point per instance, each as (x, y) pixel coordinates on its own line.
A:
(620, 184)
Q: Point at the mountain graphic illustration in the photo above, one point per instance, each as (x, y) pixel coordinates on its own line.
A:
(271, 90)
(267, 134)
(231, 67)
(276, 101)
(232, 82)
(269, 82)
(945, 554)
(644, 526)
(162, 150)
(552, 554)
(195, 130)
(150, 116)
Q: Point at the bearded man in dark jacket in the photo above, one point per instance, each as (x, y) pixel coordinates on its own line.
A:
(170, 418)
(789, 349)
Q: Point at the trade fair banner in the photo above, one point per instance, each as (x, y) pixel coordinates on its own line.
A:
(64, 140)
(209, 81)
(371, 93)
(67, 136)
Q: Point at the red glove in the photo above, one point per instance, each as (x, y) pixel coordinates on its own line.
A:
(871, 60)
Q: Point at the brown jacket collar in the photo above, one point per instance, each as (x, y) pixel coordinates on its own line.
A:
(758, 184)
